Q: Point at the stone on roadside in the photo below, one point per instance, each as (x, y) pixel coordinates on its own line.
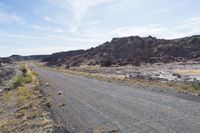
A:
(61, 104)
(197, 94)
(59, 93)
(47, 84)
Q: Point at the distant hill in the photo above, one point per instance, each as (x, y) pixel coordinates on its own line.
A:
(133, 50)
(61, 57)
(31, 57)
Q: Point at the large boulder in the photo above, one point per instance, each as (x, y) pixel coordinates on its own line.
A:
(6, 72)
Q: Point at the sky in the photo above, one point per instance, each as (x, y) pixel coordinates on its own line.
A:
(29, 27)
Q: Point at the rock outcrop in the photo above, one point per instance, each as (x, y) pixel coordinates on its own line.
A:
(132, 50)
(6, 70)
(59, 58)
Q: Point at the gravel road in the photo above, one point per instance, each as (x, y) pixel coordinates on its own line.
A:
(89, 104)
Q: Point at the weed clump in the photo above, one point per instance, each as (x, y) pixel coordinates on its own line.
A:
(25, 78)
(22, 80)
(23, 68)
(195, 86)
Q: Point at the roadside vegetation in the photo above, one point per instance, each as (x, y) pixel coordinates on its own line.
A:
(22, 107)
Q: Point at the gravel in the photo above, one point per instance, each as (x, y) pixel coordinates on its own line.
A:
(92, 104)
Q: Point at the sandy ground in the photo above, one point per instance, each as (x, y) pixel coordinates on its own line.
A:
(166, 72)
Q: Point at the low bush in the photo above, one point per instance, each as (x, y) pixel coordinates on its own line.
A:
(23, 69)
(22, 80)
(195, 85)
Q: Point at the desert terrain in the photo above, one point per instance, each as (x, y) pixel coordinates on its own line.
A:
(130, 84)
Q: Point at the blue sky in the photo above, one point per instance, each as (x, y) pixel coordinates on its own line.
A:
(45, 26)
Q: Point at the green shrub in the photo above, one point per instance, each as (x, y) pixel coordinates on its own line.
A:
(195, 85)
(22, 80)
(23, 69)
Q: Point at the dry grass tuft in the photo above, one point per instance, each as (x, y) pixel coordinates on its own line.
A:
(189, 72)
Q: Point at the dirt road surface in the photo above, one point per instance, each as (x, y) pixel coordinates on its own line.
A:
(85, 104)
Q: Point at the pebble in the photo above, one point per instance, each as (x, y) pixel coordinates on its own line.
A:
(59, 93)
(196, 94)
(47, 84)
(61, 104)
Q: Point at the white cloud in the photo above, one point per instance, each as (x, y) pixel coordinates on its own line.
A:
(169, 8)
(143, 30)
(46, 28)
(58, 30)
(40, 50)
(2, 6)
(189, 27)
(49, 37)
(29, 51)
(6, 17)
(47, 18)
(192, 23)
(9, 17)
(78, 8)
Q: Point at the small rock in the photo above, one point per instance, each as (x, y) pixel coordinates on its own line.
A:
(176, 75)
(178, 91)
(33, 86)
(34, 108)
(114, 131)
(61, 104)
(196, 94)
(6, 88)
(127, 76)
(185, 92)
(59, 93)
(47, 84)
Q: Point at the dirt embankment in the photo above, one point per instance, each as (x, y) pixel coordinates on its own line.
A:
(23, 108)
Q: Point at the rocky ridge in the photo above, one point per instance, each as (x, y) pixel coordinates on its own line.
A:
(133, 50)
(22, 58)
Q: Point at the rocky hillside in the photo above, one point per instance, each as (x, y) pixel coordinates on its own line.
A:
(5, 60)
(59, 58)
(132, 50)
